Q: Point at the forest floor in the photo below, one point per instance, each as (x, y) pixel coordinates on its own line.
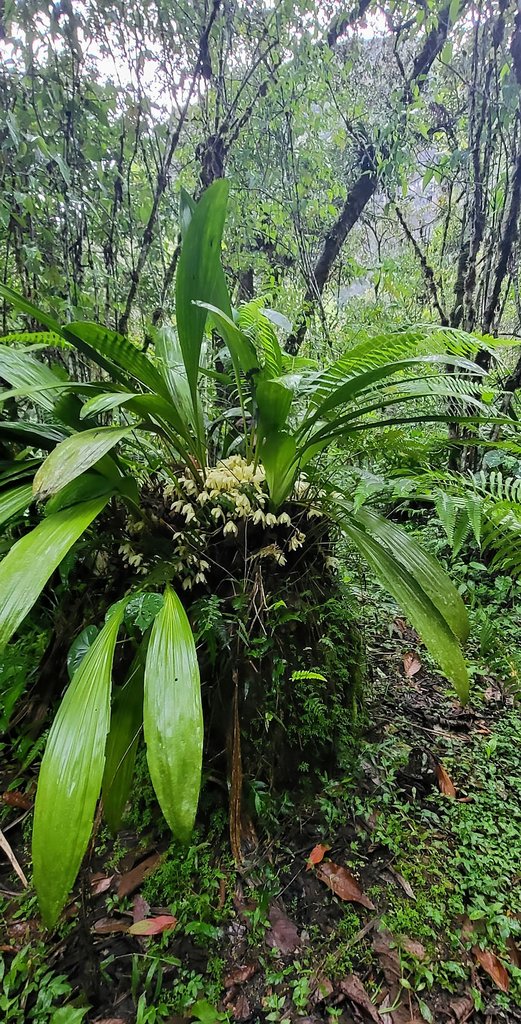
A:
(410, 912)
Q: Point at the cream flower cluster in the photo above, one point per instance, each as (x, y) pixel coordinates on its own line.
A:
(233, 496)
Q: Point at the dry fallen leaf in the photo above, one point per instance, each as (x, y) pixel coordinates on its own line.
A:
(131, 880)
(6, 847)
(462, 1009)
(411, 664)
(514, 952)
(241, 1009)
(353, 988)
(493, 967)
(413, 947)
(445, 782)
(406, 886)
(239, 975)
(343, 884)
(384, 946)
(14, 798)
(153, 925)
(100, 883)
(111, 925)
(112, 1020)
(140, 909)
(283, 934)
(317, 855)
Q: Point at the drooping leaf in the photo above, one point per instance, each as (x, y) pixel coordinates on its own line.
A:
(84, 488)
(425, 569)
(70, 776)
(29, 309)
(417, 605)
(22, 371)
(109, 344)
(75, 455)
(31, 561)
(105, 403)
(172, 717)
(39, 435)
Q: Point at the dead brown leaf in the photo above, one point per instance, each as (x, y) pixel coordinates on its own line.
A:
(241, 1009)
(8, 850)
(131, 880)
(110, 925)
(493, 967)
(14, 798)
(140, 909)
(514, 952)
(239, 975)
(384, 946)
(413, 947)
(321, 989)
(353, 988)
(445, 782)
(343, 884)
(283, 934)
(406, 886)
(112, 1020)
(100, 883)
(411, 664)
(462, 1009)
(317, 855)
(153, 925)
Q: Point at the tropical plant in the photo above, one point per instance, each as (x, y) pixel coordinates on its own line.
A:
(197, 457)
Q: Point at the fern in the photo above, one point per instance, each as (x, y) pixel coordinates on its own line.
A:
(47, 339)
(486, 504)
(256, 324)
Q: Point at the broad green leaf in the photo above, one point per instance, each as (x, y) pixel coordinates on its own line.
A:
(416, 604)
(12, 502)
(200, 277)
(172, 716)
(274, 402)
(109, 344)
(84, 488)
(425, 569)
(105, 403)
(187, 207)
(75, 455)
(29, 309)
(71, 773)
(23, 372)
(31, 561)
(80, 647)
(69, 1015)
(168, 351)
(122, 743)
(38, 435)
(240, 347)
(278, 454)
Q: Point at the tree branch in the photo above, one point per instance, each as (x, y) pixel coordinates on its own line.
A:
(365, 186)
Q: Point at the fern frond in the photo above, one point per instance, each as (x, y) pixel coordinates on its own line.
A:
(254, 322)
(48, 339)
